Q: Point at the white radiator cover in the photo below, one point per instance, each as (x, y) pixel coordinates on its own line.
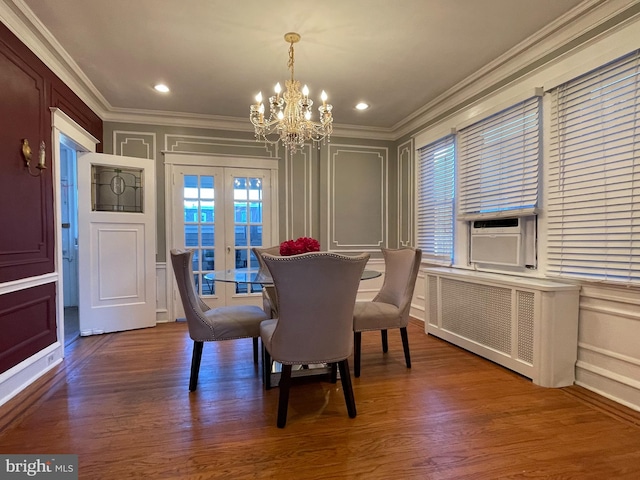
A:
(528, 325)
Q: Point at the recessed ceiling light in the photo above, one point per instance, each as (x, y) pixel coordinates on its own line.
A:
(162, 88)
(362, 106)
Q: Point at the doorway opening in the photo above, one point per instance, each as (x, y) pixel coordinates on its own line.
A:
(69, 241)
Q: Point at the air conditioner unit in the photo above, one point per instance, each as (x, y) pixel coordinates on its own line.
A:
(497, 242)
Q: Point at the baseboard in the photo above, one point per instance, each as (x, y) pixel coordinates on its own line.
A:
(604, 405)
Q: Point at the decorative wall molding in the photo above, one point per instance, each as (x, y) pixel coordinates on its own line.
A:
(406, 193)
(162, 310)
(358, 184)
(299, 193)
(134, 144)
(218, 146)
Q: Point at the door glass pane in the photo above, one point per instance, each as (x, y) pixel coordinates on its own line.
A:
(240, 236)
(116, 189)
(199, 228)
(207, 236)
(248, 222)
(190, 235)
(207, 260)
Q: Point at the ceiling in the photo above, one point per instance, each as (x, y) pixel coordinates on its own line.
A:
(215, 55)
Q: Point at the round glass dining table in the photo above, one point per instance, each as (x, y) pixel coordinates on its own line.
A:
(259, 276)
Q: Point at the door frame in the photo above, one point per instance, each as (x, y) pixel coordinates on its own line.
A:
(172, 159)
(81, 141)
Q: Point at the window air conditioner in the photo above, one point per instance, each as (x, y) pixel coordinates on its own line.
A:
(497, 242)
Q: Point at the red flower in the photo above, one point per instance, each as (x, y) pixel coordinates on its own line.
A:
(301, 245)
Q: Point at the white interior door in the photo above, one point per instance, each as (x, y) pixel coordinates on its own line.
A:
(117, 242)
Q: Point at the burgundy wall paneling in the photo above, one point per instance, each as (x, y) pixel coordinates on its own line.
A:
(28, 88)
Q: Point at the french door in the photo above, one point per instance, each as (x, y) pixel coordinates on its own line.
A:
(220, 213)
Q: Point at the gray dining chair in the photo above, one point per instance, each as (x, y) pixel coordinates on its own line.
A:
(390, 307)
(317, 293)
(269, 298)
(211, 324)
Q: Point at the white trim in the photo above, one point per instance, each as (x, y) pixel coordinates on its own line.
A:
(62, 124)
(24, 283)
(205, 160)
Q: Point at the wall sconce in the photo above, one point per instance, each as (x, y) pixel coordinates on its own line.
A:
(26, 153)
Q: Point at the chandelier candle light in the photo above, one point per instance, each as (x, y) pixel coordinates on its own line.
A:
(289, 118)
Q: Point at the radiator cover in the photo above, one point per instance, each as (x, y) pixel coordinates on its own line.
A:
(528, 325)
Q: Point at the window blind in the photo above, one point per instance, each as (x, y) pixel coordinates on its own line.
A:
(594, 175)
(498, 163)
(435, 200)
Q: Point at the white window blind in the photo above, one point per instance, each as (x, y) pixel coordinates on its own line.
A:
(594, 175)
(498, 163)
(435, 200)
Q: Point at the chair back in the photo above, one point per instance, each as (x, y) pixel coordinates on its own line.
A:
(259, 251)
(400, 272)
(317, 293)
(194, 307)
(269, 296)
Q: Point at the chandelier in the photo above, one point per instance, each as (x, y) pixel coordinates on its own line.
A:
(289, 119)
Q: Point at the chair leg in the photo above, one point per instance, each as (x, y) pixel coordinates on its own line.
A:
(283, 400)
(385, 342)
(255, 350)
(405, 346)
(334, 372)
(266, 368)
(195, 365)
(347, 388)
(357, 348)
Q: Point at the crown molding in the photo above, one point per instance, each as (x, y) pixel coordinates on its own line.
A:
(234, 124)
(17, 16)
(580, 25)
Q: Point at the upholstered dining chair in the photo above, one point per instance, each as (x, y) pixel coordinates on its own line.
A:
(390, 307)
(269, 298)
(210, 325)
(317, 293)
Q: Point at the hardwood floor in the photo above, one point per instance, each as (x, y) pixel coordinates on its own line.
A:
(121, 402)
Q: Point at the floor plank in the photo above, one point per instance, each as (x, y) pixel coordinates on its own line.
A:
(121, 402)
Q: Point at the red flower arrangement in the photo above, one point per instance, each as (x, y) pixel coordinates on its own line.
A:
(301, 245)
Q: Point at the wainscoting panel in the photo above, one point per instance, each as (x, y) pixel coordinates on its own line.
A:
(608, 352)
(27, 323)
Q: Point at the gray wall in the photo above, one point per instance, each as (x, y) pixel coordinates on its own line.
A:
(352, 195)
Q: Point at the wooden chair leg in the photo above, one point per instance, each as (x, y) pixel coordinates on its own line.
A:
(405, 346)
(347, 388)
(196, 357)
(334, 372)
(255, 350)
(385, 342)
(357, 347)
(266, 368)
(283, 400)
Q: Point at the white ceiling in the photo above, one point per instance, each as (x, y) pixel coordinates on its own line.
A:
(215, 55)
